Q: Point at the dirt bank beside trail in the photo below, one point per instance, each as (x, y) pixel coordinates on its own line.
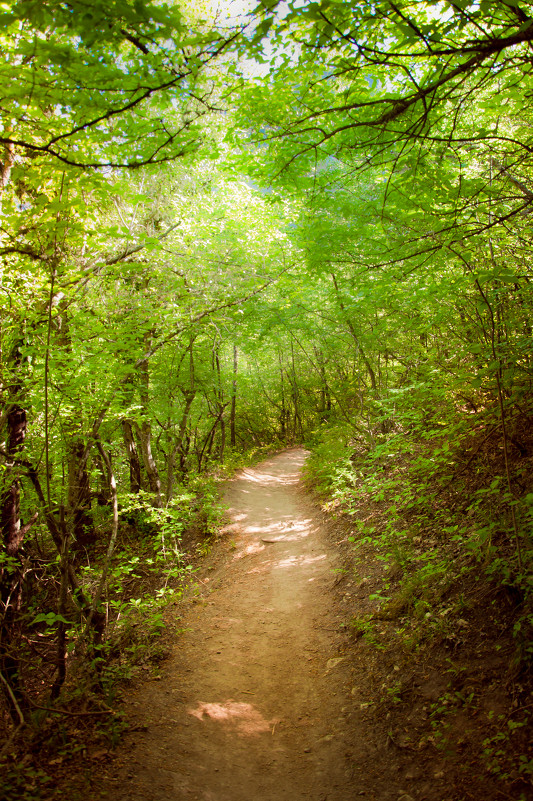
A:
(256, 702)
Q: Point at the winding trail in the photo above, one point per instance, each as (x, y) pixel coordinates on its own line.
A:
(252, 705)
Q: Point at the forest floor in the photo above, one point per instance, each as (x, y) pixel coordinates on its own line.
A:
(265, 695)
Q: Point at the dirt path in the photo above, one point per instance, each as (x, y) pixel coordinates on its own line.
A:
(255, 703)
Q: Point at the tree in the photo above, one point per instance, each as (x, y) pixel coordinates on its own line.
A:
(408, 138)
(110, 84)
(100, 88)
(381, 79)
(348, 247)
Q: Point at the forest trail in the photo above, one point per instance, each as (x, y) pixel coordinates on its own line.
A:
(253, 703)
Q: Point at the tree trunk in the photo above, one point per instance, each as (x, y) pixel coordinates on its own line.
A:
(283, 412)
(133, 456)
(325, 395)
(154, 482)
(6, 165)
(57, 533)
(351, 329)
(79, 495)
(62, 610)
(183, 441)
(79, 515)
(208, 442)
(222, 444)
(13, 532)
(178, 445)
(220, 409)
(145, 429)
(233, 397)
(297, 422)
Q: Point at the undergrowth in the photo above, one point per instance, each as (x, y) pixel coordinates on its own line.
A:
(428, 502)
(142, 579)
(152, 564)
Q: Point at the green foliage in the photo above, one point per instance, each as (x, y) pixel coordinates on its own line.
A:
(407, 501)
(329, 466)
(118, 83)
(341, 258)
(22, 781)
(365, 627)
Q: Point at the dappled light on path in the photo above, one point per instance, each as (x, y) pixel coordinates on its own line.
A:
(254, 523)
(266, 479)
(271, 532)
(299, 561)
(287, 562)
(250, 549)
(235, 716)
(269, 519)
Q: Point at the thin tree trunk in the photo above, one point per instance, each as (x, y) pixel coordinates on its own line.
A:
(154, 482)
(79, 515)
(79, 493)
(78, 594)
(93, 612)
(221, 407)
(13, 533)
(325, 396)
(283, 412)
(222, 445)
(208, 442)
(61, 646)
(178, 446)
(133, 456)
(183, 441)
(297, 422)
(233, 408)
(5, 166)
(145, 429)
(351, 329)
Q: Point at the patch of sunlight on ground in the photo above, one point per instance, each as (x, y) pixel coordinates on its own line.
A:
(287, 562)
(250, 549)
(236, 716)
(280, 531)
(267, 479)
(298, 561)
